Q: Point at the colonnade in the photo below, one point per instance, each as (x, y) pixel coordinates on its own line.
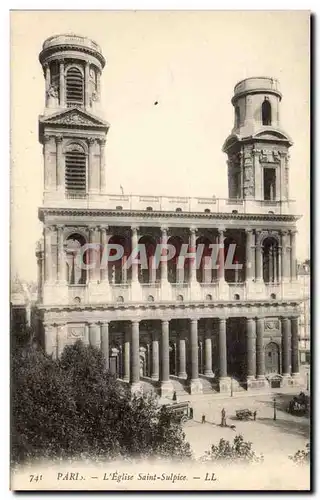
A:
(282, 259)
(98, 335)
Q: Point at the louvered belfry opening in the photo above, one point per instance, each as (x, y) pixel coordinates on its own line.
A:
(76, 173)
(74, 87)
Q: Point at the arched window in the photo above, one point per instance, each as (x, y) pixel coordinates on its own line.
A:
(237, 112)
(74, 87)
(75, 171)
(77, 273)
(266, 112)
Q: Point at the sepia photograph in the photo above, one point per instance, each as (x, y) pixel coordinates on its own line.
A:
(160, 250)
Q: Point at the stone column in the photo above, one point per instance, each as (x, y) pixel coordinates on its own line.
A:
(39, 255)
(60, 163)
(260, 348)
(286, 344)
(192, 249)
(270, 263)
(90, 164)
(134, 244)
(295, 346)
(223, 347)
(284, 260)
(98, 86)
(86, 86)
(104, 254)
(102, 166)
(251, 350)
(61, 264)
(47, 234)
(135, 356)
(208, 351)
(105, 342)
(126, 363)
(249, 244)
(293, 256)
(220, 242)
(155, 356)
(195, 384)
(259, 262)
(48, 81)
(94, 334)
(92, 255)
(166, 385)
(164, 264)
(182, 357)
(61, 85)
(49, 181)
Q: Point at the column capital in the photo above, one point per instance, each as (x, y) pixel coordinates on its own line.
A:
(165, 321)
(222, 320)
(102, 141)
(164, 229)
(249, 230)
(134, 228)
(103, 228)
(105, 323)
(194, 320)
(221, 231)
(135, 322)
(193, 229)
(47, 138)
(59, 138)
(91, 140)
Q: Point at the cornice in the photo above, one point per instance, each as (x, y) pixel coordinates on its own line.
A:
(44, 211)
(167, 306)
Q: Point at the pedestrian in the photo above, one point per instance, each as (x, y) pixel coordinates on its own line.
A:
(255, 415)
(174, 397)
(223, 418)
(191, 413)
(203, 419)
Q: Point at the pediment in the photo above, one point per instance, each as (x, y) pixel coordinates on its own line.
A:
(75, 118)
(271, 135)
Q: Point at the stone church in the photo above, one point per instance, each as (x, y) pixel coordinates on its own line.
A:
(184, 328)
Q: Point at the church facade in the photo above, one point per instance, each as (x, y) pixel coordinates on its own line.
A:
(189, 327)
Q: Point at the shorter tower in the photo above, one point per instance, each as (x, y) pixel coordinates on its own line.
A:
(257, 147)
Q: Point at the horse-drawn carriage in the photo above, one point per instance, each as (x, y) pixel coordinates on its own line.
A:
(183, 411)
(299, 405)
(245, 414)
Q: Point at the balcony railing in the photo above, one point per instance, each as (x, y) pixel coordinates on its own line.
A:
(166, 203)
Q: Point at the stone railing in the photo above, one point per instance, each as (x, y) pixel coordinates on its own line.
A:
(176, 204)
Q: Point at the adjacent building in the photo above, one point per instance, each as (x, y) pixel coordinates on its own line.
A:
(172, 327)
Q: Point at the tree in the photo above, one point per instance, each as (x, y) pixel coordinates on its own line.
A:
(74, 408)
(301, 457)
(238, 451)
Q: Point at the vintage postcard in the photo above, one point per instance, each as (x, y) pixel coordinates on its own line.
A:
(160, 319)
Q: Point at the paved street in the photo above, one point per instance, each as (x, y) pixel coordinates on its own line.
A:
(278, 438)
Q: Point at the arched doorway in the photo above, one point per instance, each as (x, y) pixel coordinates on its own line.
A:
(272, 358)
(172, 359)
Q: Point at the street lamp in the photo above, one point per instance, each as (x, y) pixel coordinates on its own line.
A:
(274, 409)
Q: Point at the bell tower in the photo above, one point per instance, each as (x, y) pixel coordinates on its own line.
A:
(71, 129)
(257, 147)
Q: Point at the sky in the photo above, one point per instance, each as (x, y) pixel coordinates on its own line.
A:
(189, 62)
